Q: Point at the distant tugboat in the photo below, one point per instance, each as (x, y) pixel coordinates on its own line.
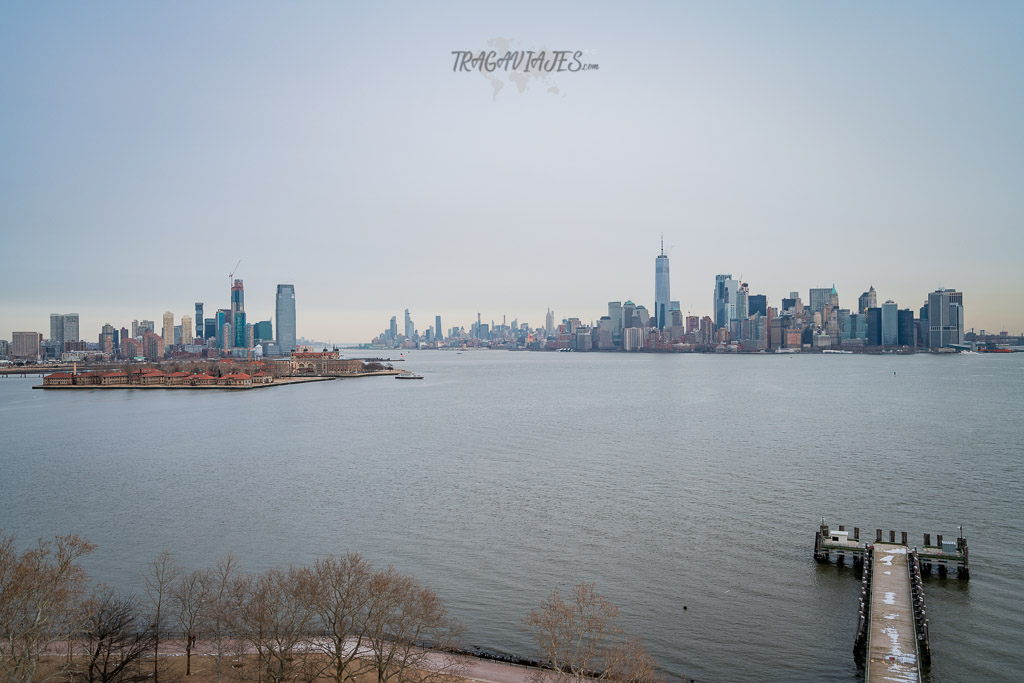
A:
(408, 375)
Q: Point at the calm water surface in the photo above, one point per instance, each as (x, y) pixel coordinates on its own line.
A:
(669, 480)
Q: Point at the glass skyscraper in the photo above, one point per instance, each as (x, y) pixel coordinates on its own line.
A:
(661, 289)
(285, 316)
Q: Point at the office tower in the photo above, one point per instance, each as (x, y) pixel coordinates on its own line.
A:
(890, 323)
(819, 298)
(226, 337)
(223, 318)
(661, 288)
(63, 329)
(239, 327)
(628, 315)
(135, 329)
(905, 323)
(177, 335)
(641, 317)
(410, 329)
(237, 306)
(757, 303)
(615, 315)
(945, 318)
(868, 299)
(285, 318)
(742, 292)
(874, 318)
(168, 329)
(186, 329)
(199, 320)
(725, 299)
(263, 331)
(549, 323)
(26, 344)
(393, 329)
(210, 328)
(437, 328)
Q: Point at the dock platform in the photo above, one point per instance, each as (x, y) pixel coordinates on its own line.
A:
(892, 641)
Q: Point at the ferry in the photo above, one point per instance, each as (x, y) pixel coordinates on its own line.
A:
(835, 351)
(408, 375)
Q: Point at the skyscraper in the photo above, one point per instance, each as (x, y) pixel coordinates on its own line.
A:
(437, 328)
(906, 336)
(874, 327)
(186, 329)
(168, 329)
(890, 323)
(661, 288)
(285, 317)
(945, 318)
(725, 299)
(868, 299)
(615, 314)
(63, 329)
(237, 318)
(199, 320)
(410, 329)
(549, 324)
(819, 298)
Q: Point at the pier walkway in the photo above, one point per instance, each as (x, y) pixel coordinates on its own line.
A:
(892, 636)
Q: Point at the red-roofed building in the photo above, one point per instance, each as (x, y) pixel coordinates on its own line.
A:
(237, 379)
(58, 379)
(202, 380)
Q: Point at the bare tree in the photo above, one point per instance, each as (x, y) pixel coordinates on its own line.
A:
(272, 613)
(41, 590)
(162, 574)
(340, 597)
(115, 639)
(408, 627)
(189, 597)
(581, 639)
(216, 585)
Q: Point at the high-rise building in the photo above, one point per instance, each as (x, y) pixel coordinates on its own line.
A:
(200, 327)
(237, 306)
(868, 299)
(437, 328)
(725, 299)
(742, 293)
(945, 318)
(186, 329)
(153, 346)
(757, 304)
(662, 304)
(615, 315)
(63, 329)
(26, 345)
(819, 298)
(263, 331)
(629, 314)
(168, 329)
(239, 327)
(223, 320)
(410, 329)
(905, 322)
(874, 318)
(210, 328)
(285, 318)
(549, 324)
(890, 323)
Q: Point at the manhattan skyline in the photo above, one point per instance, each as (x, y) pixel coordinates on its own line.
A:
(147, 149)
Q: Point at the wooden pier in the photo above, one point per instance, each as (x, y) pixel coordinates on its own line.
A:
(892, 641)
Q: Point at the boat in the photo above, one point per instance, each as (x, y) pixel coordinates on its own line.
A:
(408, 375)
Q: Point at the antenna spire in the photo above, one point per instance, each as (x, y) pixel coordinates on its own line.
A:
(662, 244)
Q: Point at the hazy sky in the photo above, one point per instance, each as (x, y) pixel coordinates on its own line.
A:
(147, 147)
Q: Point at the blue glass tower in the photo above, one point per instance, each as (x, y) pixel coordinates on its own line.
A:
(661, 288)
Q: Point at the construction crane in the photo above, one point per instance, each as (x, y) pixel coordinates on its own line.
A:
(231, 275)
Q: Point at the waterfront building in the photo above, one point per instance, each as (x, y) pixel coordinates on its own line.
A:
(615, 315)
(724, 299)
(874, 331)
(945, 318)
(661, 288)
(186, 329)
(168, 329)
(25, 345)
(5, 349)
(199, 320)
(890, 323)
(906, 328)
(632, 339)
(285, 318)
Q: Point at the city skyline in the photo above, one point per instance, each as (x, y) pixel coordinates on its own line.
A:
(794, 146)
